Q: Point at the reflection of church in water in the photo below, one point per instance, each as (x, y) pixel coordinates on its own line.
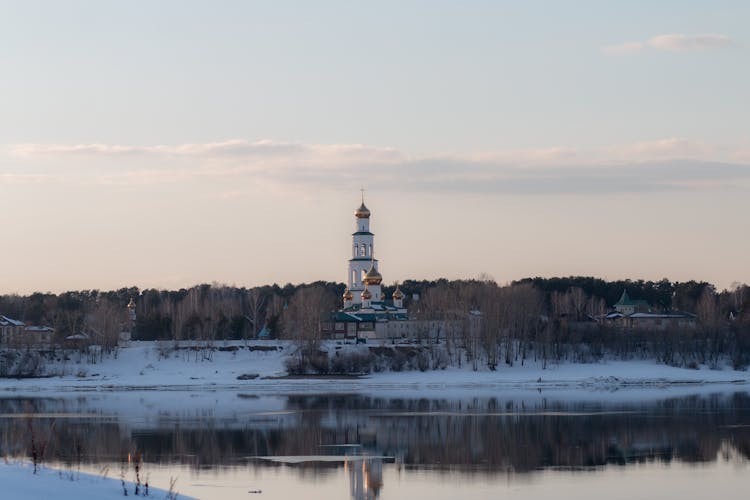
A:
(365, 477)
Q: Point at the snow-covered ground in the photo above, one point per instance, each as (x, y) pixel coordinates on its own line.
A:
(18, 479)
(144, 367)
(151, 386)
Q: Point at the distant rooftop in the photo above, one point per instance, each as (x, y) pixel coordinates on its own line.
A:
(625, 300)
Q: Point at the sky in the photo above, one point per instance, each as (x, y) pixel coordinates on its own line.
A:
(166, 144)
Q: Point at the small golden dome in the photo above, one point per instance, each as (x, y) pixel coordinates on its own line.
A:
(398, 294)
(348, 295)
(373, 277)
(362, 212)
(131, 304)
(366, 294)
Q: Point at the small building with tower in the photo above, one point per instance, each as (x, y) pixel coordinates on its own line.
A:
(637, 315)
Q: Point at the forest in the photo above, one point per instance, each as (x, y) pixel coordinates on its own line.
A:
(548, 319)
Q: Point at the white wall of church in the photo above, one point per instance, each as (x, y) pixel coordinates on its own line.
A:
(363, 225)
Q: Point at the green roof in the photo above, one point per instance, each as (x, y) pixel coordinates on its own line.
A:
(625, 300)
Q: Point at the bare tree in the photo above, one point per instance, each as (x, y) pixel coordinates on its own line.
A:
(301, 319)
(709, 319)
(105, 320)
(256, 302)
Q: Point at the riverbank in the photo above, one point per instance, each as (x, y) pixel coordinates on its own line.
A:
(260, 368)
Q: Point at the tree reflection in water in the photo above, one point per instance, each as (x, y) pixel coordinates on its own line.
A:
(482, 435)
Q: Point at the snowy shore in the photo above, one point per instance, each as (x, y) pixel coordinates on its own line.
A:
(19, 479)
(259, 367)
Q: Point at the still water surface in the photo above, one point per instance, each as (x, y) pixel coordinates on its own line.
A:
(232, 446)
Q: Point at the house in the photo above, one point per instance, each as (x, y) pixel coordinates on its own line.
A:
(629, 314)
(652, 321)
(39, 336)
(11, 331)
(16, 334)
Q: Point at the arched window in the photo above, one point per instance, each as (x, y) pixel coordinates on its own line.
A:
(369, 250)
(362, 250)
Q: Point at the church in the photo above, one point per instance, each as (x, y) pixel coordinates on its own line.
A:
(366, 313)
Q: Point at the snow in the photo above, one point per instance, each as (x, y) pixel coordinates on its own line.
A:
(301, 459)
(19, 478)
(147, 390)
(143, 367)
(4, 320)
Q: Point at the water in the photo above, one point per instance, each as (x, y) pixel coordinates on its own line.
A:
(522, 445)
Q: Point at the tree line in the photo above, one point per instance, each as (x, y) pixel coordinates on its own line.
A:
(556, 320)
(548, 319)
(484, 324)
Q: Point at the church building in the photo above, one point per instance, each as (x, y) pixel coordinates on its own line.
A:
(631, 315)
(366, 312)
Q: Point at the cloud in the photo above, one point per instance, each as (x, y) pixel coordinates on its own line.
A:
(740, 156)
(673, 43)
(235, 148)
(643, 177)
(231, 168)
(689, 42)
(230, 147)
(624, 48)
(22, 178)
(540, 156)
(672, 147)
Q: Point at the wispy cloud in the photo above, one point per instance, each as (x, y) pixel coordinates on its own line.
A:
(235, 166)
(672, 42)
(689, 42)
(672, 147)
(235, 148)
(624, 48)
(23, 178)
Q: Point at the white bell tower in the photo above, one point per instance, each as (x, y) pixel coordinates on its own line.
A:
(362, 259)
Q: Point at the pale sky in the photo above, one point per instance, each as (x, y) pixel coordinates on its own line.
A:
(165, 144)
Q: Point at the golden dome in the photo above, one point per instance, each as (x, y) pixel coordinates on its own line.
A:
(348, 295)
(131, 304)
(362, 212)
(398, 294)
(366, 294)
(373, 277)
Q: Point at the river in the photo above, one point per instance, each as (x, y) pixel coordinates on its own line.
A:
(365, 446)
